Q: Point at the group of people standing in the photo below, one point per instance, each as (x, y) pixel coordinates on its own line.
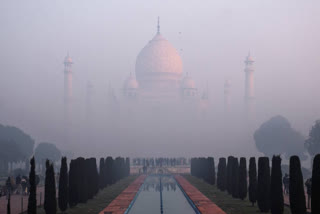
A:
(18, 185)
(308, 184)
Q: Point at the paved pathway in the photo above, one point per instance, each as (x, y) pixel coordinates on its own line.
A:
(121, 203)
(16, 202)
(204, 204)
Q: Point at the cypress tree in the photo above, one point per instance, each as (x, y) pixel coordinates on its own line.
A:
(95, 173)
(243, 186)
(101, 173)
(263, 189)
(235, 178)
(128, 166)
(83, 179)
(8, 205)
(252, 180)
(218, 174)
(63, 185)
(315, 188)
(229, 174)
(276, 191)
(211, 171)
(222, 174)
(50, 201)
(73, 193)
(105, 175)
(296, 188)
(32, 200)
(109, 173)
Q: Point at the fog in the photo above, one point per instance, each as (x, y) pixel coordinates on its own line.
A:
(104, 38)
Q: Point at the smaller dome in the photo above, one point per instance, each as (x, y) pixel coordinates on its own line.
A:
(131, 83)
(188, 83)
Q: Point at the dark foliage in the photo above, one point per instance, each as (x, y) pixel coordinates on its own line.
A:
(276, 191)
(243, 186)
(313, 142)
(263, 189)
(50, 201)
(101, 174)
(203, 168)
(252, 181)
(210, 178)
(109, 168)
(235, 178)
(85, 181)
(229, 174)
(32, 200)
(92, 177)
(83, 170)
(276, 136)
(73, 191)
(296, 187)
(222, 174)
(63, 185)
(315, 188)
(21, 144)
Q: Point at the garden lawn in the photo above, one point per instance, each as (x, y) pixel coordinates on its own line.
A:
(224, 200)
(100, 201)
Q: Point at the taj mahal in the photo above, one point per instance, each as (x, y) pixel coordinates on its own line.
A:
(160, 83)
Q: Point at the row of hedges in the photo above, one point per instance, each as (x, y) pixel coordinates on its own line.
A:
(265, 185)
(81, 183)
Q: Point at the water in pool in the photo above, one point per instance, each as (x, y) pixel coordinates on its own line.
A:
(173, 200)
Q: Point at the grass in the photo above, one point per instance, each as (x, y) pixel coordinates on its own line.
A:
(225, 201)
(101, 200)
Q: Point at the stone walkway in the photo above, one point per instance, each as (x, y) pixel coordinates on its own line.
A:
(16, 202)
(204, 204)
(121, 203)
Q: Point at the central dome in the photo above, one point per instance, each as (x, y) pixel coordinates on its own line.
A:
(158, 62)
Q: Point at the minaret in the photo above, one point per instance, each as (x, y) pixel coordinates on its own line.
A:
(67, 85)
(227, 95)
(158, 26)
(249, 83)
(89, 95)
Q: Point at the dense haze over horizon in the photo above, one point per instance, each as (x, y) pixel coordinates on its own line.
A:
(213, 38)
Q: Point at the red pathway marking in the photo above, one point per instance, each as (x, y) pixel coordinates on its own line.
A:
(121, 203)
(204, 204)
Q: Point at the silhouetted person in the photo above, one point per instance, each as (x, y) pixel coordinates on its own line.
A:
(23, 186)
(309, 186)
(9, 185)
(286, 183)
(18, 180)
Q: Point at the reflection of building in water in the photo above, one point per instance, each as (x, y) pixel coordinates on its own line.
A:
(152, 183)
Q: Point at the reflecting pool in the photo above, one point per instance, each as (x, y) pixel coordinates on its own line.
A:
(161, 192)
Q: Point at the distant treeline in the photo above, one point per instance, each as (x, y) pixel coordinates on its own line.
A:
(264, 186)
(80, 183)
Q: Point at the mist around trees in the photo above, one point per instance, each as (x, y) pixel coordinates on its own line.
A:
(16, 146)
(276, 136)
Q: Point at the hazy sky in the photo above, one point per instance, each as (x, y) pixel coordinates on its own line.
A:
(104, 38)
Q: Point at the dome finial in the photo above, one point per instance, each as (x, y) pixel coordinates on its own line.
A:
(158, 26)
